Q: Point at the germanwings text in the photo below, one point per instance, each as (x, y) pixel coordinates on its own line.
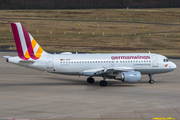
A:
(129, 57)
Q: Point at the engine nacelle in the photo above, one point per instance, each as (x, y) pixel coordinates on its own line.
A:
(129, 77)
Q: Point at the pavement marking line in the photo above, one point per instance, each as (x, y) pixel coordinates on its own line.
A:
(163, 118)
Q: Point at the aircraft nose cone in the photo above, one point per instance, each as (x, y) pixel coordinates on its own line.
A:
(173, 65)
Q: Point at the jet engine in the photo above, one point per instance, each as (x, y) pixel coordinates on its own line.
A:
(129, 77)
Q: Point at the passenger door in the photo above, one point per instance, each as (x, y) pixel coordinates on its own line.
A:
(50, 63)
(155, 61)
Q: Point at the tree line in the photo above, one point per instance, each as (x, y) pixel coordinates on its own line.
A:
(87, 4)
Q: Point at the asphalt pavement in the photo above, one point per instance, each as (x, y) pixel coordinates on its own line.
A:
(32, 94)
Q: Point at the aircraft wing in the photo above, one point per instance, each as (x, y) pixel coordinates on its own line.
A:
(113, 71)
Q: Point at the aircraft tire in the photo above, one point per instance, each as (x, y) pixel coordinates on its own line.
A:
(151, 81)
(90, 80)
(103, 83)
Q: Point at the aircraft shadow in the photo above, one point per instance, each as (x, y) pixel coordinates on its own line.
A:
(96, 83)
(68, 81)
(65, 81)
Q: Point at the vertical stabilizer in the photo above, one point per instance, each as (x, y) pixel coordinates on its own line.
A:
(26, 45)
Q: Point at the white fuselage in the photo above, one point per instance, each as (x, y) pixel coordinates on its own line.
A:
(126, 67)
(75, 64)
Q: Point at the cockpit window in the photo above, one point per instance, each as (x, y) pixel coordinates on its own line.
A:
(165, 60)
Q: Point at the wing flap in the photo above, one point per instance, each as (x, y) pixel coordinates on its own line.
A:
(106, 71)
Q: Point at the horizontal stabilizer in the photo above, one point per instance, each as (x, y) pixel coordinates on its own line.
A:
(27, 61)
(7, 56)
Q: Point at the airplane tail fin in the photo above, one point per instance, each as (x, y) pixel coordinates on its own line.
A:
(26, 45)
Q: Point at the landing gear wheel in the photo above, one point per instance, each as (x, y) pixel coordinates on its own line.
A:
(90, 80)
(151, 81)
(103, 83)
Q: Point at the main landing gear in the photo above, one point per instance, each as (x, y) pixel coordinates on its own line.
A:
(90, 80)
(102, 82)
(151, 81)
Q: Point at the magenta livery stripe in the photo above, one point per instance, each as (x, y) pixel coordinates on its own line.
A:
(18, 42)
(28, 43)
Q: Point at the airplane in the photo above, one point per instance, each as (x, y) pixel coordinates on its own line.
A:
(125, 67)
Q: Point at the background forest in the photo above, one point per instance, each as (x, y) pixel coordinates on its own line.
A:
(87, 4)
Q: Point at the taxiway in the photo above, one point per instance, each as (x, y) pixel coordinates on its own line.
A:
(28, 93)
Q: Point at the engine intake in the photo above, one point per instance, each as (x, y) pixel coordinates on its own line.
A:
(129, 77)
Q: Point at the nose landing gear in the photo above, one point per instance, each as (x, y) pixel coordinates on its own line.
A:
(151, 81)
